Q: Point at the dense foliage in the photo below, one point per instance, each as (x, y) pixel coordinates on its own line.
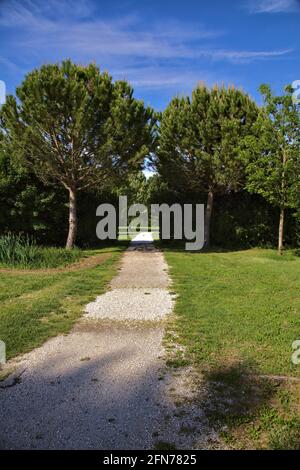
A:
(273, 154)
(200, 142)
(75, 127)
(71, 127)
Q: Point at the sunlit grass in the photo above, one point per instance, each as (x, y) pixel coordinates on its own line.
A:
(239, 305)
(236, 316)
(35, 306)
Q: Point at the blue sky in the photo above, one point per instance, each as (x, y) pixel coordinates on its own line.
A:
(163, 47)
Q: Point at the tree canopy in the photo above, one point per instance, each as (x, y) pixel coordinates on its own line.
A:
(273, 154)
(200, 142)
(75, 126)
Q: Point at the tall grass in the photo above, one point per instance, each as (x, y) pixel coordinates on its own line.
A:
(17, 250)
(22, 251)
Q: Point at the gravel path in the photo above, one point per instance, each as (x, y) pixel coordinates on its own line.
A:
(140, 291)
(95, 388)
(131, 304)
(101, 386)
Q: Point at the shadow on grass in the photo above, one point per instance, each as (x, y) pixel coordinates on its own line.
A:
(239, 403)
(115, 245)
(179, 246)
(234, 393)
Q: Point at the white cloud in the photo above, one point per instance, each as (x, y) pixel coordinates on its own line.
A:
(243, 56)
(94, 38)
(38, 32)
(273, 6)
(151, 56)
(154, 77)
(33, 13)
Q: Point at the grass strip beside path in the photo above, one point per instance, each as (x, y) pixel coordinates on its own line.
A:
(235, 306)
(236, 316)
(38, 305)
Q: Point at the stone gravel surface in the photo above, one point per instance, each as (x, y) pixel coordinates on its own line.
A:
(131, 304)
(140, 291)
(102, 386)
(96, 388)
(142, 269)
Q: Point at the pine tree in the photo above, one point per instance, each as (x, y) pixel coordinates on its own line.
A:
(200, 142)
(75, 127)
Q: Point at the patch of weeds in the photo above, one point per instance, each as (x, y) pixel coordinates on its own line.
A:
(285, 398)
(176, 363)
(228, 439)
(164, 445)
(15, 381)
(286, 435)
(187, 430)
(4, 374)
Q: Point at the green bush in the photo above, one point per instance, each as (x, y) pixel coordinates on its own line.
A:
(51, 257)
(17, 250)
(22, 251)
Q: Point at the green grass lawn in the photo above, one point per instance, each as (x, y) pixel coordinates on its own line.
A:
(38, 304)
(236, 316)
(242, 305)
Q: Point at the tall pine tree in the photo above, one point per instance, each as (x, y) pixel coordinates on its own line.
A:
(200, 142)
(75, 127)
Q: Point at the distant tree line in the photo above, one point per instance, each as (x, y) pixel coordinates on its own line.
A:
(72, 138)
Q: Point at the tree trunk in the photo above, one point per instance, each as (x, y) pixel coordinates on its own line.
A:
(280, 234)
(72, 219)
(208, 212)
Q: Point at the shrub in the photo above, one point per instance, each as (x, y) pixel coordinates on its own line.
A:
(17, 250)
(22, 251)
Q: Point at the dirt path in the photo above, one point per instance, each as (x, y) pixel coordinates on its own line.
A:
(105, 385)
